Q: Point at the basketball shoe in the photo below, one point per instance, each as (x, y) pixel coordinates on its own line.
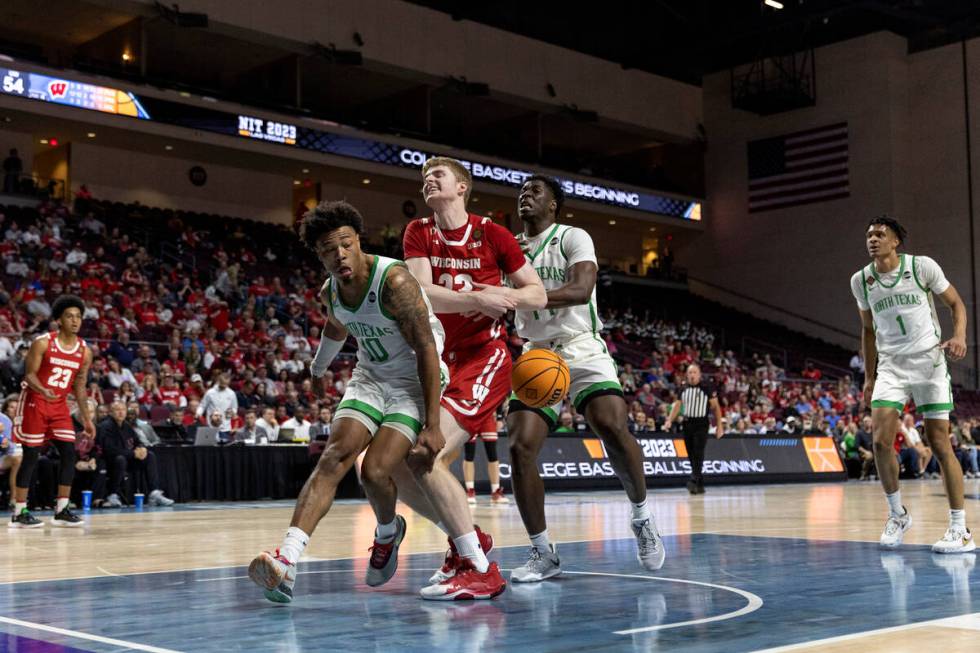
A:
(955, 540)
(467, 584)
(275, 575)
(25, 520)
(384, 557)
(67, 518)
(498, 498)
(449, 565)
(650, 550)
(538, 566)
(471, 496)
(895, 529)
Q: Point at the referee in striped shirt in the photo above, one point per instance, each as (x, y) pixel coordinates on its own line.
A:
(695, 400)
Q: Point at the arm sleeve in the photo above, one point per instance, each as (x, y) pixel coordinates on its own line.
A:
(857, 289)
(414, 240)
(930, 275)
(578, 247)
(510, 258)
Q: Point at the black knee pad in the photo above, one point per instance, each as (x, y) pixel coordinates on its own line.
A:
(66, 451)
(27, 465)
(491, 448)
(469, 451)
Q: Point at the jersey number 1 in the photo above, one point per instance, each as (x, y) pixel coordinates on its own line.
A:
(901, 325)
(60, 378)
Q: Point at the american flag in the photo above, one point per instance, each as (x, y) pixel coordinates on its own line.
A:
(798, 168)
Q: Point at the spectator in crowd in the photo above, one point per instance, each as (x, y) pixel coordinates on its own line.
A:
(122, 349)
(320, 429)
(119, 375)
(148, 391)
(10, 453)
(928, 466)
(177, 425)
(269, 422)
(170, 393)
(123, 453)
(251, 433)
(220, 399)
(145, 432)
(565, 423)
(966, 453)
(146, 362)
(215, 421)
(299, 424)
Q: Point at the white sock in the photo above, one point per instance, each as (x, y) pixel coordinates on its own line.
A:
(469, 547)
(541, 541)
(895, 503)
(293, 545)
(19, 507)
(640, 511)
(469, 485)
(385, 533)
(494, 487)
(957, 518)
(61, 505)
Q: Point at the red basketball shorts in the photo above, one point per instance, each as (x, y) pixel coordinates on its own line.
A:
(479, 381)
(487, 432)
(37, 421)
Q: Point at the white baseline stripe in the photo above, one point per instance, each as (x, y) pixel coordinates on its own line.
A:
(754, 602)
(952, 622)
(80, 635)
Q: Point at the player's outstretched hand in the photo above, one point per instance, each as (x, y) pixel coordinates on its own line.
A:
(89, 429)
(423, 455)
(956, 348)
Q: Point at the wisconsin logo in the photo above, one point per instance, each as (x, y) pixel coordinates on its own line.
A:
(57, 88)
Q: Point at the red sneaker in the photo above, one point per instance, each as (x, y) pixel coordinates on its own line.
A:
(471, 497)
(448, 569)
(384, 557)
(467, 584)
(498, 497)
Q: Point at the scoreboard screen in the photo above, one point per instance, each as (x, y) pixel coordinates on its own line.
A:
(75, 94)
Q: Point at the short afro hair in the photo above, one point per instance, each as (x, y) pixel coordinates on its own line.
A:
(326, 217)
(886, 220)
(64, 302)
(557, 192)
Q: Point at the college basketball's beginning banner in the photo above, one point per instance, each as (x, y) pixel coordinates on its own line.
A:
(582, 462)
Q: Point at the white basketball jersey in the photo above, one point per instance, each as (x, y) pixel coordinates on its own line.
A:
(902, 306)
(381, 348)
(552, 253)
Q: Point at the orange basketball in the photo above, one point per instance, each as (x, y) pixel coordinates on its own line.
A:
(540, 378)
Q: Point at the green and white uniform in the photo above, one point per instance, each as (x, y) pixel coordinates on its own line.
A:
(907, 334)
(572, 332)
(384, 389)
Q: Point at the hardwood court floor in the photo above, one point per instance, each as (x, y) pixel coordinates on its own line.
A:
(787, 567)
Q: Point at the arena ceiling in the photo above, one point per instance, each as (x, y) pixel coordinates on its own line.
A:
(685, 39)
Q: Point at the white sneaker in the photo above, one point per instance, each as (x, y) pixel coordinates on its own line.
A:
(112, 501)
(895, 529)
(955, 540)
(157, 498)
(538, 567)
(650, 550)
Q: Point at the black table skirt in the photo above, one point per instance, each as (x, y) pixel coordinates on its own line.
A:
(234, 473)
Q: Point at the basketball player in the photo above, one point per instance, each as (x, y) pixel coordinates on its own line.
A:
(564, 258)
(391, 405)
(455, 255)
(903, 357)
(488, 434)
(57, 363)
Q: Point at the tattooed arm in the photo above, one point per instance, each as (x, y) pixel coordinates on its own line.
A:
(402, 297)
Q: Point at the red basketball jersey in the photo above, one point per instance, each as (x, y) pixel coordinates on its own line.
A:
(480, 251)
(59, 366)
